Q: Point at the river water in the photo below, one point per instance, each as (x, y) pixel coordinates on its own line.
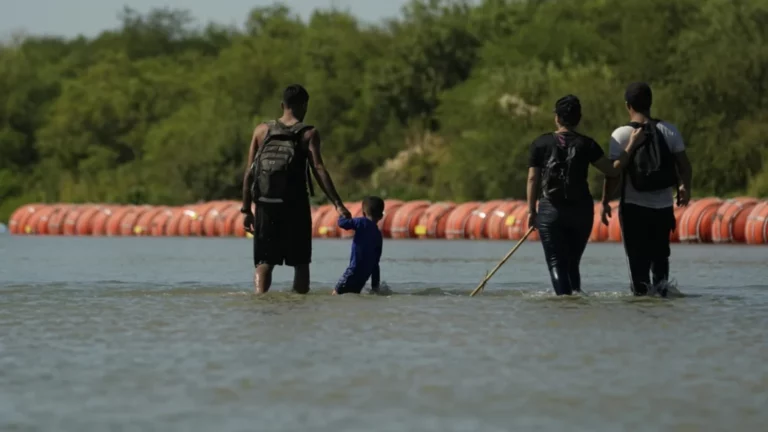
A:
(163, 334)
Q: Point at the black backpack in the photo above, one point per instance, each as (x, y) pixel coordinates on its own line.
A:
(276, 167)
(556, 172)
(651, 166)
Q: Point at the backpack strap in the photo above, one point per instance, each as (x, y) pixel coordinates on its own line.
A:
(298, 130)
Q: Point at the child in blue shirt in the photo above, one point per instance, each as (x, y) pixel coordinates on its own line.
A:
(366, 248)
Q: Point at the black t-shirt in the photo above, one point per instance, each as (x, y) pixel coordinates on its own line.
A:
(587, 152)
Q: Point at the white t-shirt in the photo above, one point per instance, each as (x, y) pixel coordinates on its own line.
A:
(655, 199)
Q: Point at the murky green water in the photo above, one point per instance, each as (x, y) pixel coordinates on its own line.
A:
(163, 335)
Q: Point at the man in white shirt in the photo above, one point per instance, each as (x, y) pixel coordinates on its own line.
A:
(647, 215)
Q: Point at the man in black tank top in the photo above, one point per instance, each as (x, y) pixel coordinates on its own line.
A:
(282, 228)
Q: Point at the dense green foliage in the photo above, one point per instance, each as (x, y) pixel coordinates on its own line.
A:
(439, 104)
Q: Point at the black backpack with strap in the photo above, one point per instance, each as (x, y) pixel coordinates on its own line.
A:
(555, 175)
(651, 166)
(278, 167)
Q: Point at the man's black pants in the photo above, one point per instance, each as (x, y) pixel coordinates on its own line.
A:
(646, 232)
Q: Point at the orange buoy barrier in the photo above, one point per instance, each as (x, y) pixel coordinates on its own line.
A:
(457, 223)
(697, 220)
(756, 230)
(385, 224)
(707, 220)
(731, 220)
(496, 226)
(478, 219)
(407, 217)
(434, 220)
(356, 209)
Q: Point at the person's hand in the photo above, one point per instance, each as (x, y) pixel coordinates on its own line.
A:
(248, 222)
(605, 217)
(343, 211)
(532, 219)
(683, 196)
(633, 139)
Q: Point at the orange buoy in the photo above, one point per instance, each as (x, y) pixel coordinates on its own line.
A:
(56, 221)
(159, 222)
(129, 223)
(517, 224)
(674, 236)
(385, 224)
(497, 220)
(731, 220)
(478, 219)
(114, 222)
(84, 222)
(457, 223)
(318, 215)
(231, 219)
(756, 230)
(37, 223)
(172, 225)
(16, 223)
(189, 215)
(94, 224)
(328, 225)
(214, 215)
(434, 220)
(696, 223)
(197, 217)
(356, 208)
(143, 223)
(70, 221)
(407, 217)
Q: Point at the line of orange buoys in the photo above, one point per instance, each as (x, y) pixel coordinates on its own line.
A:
(707, 220)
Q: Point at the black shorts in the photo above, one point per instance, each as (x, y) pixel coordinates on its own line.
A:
(646, 230)
(282, 234)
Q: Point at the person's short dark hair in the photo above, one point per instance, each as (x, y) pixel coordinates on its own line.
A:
(295, 95)
(639, 96)
(373, 206)
(568, 110)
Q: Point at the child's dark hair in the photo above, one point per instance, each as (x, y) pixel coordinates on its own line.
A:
(373, 206)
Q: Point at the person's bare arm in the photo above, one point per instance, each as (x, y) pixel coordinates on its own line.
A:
(532, 190)
(321, 174)
(685, 173)
(610, 186)
(258, 135)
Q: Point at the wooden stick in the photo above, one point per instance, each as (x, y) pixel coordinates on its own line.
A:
(501, 263)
